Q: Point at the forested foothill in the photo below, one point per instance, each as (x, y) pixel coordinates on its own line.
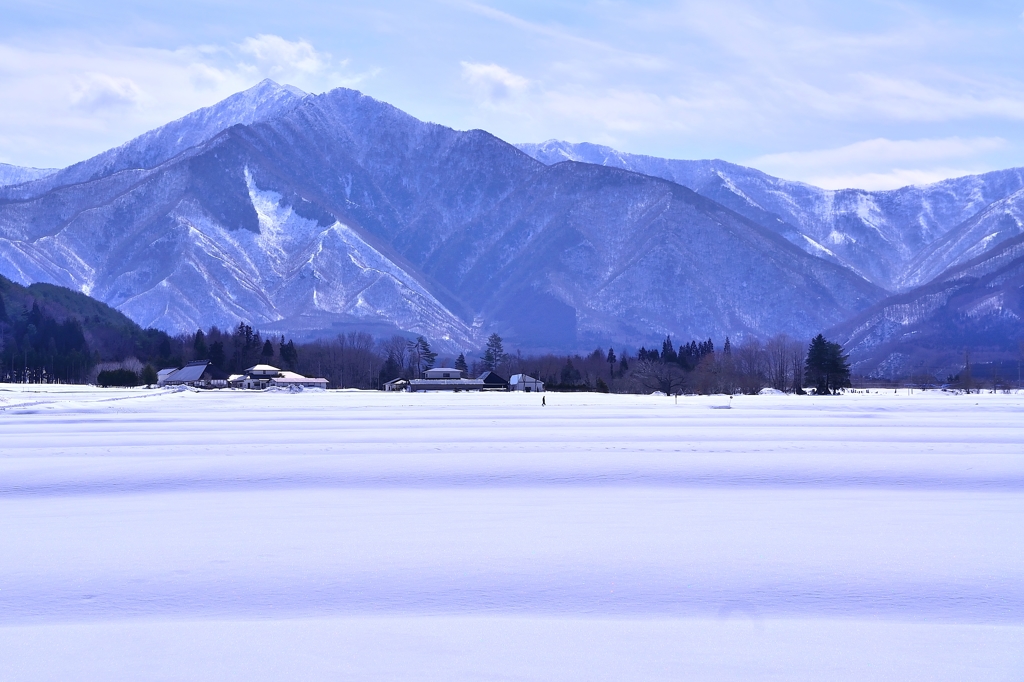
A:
(50, 334)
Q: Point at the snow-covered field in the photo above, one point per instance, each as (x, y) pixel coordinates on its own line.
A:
(368, 536)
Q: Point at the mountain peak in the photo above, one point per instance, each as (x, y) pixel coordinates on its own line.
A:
(263, 101)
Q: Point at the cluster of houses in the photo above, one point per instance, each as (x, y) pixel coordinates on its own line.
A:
(449, 379)
(204, 374)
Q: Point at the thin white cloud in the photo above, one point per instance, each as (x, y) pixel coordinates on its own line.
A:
(636, 59)
(275, 55)
(893, 179)
(54, 95)
(882, 163)
(94, 92)
(492, 82)
(881, 150)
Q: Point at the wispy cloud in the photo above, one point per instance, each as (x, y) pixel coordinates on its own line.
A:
(493, 83)
(881, 163)
(94, 92)
(114, 92)
(881, 150)
(646, 61)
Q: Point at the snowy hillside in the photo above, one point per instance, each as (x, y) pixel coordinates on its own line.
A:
(258, 103)
(976, 307)
(236, 535)
(15, 175)
(897, 239)
(385, 222)
(313, 214)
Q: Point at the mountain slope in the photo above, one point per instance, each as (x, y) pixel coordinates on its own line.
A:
(109, 334)
(261, 102)
(884, 236)
(494, 229)
(996, 223)
(976, 307)
(15, 175)
(344, 211)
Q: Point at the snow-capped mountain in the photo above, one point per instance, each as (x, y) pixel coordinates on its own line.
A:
(977, 307)
(303, 213)
(897, 239)
(15, 175)
(259, 103)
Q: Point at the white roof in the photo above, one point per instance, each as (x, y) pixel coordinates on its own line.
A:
(297, 379)
(524, 378)
(262, 368)
(164, 372)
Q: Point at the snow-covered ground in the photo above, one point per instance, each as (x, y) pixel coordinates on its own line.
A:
(370, 536)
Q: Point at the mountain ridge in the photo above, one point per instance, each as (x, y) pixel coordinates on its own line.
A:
(314, 214)
(435, 231)
(880, 235)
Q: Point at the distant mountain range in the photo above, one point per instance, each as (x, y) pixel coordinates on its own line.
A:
(313, 214)
(15, 175)
(949, 252)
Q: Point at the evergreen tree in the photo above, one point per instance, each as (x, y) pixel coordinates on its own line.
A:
(199, 345)
(623, 363)
(611, 362)
(727, 348)
(267, 356)
(217, 354)
(289, 355)
(392, 369)
(148, 375)
(420, 356)
(493, 353)
(460, 363)
(429, 356)
(570, 375)
(826, 368)
(668, 351)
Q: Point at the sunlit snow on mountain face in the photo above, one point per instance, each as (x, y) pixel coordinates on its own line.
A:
(313, 214)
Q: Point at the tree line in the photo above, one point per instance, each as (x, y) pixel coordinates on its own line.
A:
(49, 334)
(72, 338)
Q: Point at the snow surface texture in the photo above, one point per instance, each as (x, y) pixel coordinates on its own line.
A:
(365, 536)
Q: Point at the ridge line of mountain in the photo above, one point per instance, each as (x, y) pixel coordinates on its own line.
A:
(458, 232)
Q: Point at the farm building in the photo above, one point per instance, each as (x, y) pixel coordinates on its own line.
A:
(526, 383)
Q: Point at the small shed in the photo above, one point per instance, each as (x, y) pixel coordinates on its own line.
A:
(525, 383)
(493, 382)
(161, 376)
(396, 385)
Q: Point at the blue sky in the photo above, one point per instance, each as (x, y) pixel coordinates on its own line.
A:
(867, 94)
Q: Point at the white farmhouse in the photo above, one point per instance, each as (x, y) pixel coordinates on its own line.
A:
(259, 377)
(445, 379)
(525, 383)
